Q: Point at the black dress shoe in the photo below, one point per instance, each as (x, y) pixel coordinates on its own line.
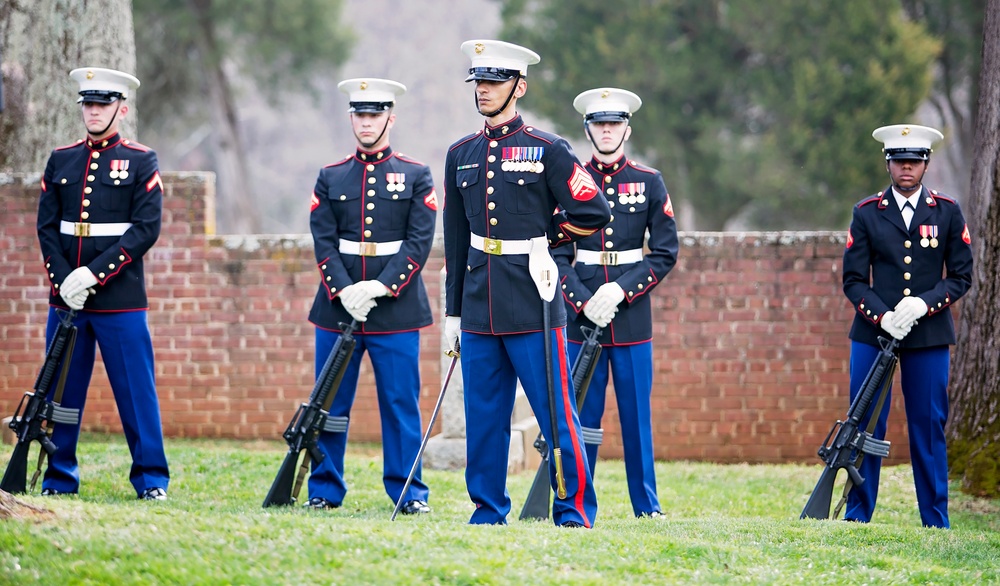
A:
(153, 494)
(572, 524)
(318, 502)
(415, 507)
(52, 492)
(652, 515)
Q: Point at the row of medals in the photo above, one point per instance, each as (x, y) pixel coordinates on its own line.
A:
(933, 242)
(625, 199)
(114, 174)
(522, 166)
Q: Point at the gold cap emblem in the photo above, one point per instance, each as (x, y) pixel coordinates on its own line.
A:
(605, 94)
(906, 131)
(90, 75)
(364, 85)
(480, 48)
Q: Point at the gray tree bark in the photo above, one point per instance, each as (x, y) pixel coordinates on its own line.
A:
(42, 40)
(974, 429)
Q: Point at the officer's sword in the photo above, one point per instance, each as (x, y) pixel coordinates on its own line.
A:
(455, 355)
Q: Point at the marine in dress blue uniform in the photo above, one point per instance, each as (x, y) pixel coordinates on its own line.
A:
(372, 220)
(503, 186)
(607, 280)
(908, 258)
(98, 214)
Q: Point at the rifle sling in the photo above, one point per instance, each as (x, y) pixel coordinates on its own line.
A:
(871, 427)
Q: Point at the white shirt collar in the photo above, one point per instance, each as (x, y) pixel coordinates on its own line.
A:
(901, 200)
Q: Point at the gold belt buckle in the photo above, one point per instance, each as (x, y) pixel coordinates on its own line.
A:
(81, 229)
(609, 258)
(368, 248)
(491, 246)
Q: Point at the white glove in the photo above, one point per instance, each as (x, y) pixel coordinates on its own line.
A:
(888, 324)
(76, 282)
(362, 292)
(76, 302)
(360, 313)
(908, 311)
(452, 329)
(542, 268)
(604, 303)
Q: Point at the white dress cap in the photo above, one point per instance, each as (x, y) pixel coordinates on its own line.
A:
(906, 141)
(371, 94)
(607, 104)
(497, 60)
(103, 86)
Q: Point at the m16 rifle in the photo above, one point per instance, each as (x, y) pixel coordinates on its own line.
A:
(309, 421)
(36, 412)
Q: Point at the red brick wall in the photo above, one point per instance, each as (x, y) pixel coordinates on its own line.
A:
(750, 335)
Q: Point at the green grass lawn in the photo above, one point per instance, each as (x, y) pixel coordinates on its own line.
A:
(723, 525)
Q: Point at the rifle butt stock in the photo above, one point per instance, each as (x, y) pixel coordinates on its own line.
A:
(536, 506)
(818, 506)
(15, 479)
(281, 488)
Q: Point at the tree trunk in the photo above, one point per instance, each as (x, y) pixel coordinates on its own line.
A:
(42, 41)
(237, 209)
(974, 429)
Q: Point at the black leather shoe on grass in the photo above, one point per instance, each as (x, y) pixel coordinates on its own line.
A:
(415, 507)
(572, 525)
(54, 492)
(153, 494)
(318, 502)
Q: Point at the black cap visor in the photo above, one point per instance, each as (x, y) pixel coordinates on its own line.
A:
(492, 74)
(370, 107)
(607, 117)
(907, 154)
(98, 97)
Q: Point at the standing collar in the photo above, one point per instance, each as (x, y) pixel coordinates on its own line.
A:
(504, 130)
(104, 143)
(376, 157)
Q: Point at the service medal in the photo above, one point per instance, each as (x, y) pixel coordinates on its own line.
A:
(934, 242)
(113, 174)
(539, 167)
(640, 198)
(123, 175)
(934, 233)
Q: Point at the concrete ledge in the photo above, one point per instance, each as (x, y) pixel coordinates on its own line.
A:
(6, 433)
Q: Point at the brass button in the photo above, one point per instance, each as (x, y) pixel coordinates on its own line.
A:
(611, 191)
(323, 267)
(489, 190)
(402, 277)
(579, 303)
(394, 287)
(88, 190)
(91, 178)
(369, 220)
(95, 155)
(111, 266)
(607, 179)
(409, 267)
(906, 276)
(520, 181)
(492, 205)
(906, 292)
(395, 196)
(370, 206)
(493, 221)
(371, 193)
(492, 158)
(342, 197)
(370, 167)
(92, 166)
(907, 243)
(609, 244)
(493, 144)
(907, 259)
(85, 215)
(329, 278)
(609, 231)
(371, 180)
(368, 233)
(86, 203)
(490, 174)
(465, 184)
(101, 275)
